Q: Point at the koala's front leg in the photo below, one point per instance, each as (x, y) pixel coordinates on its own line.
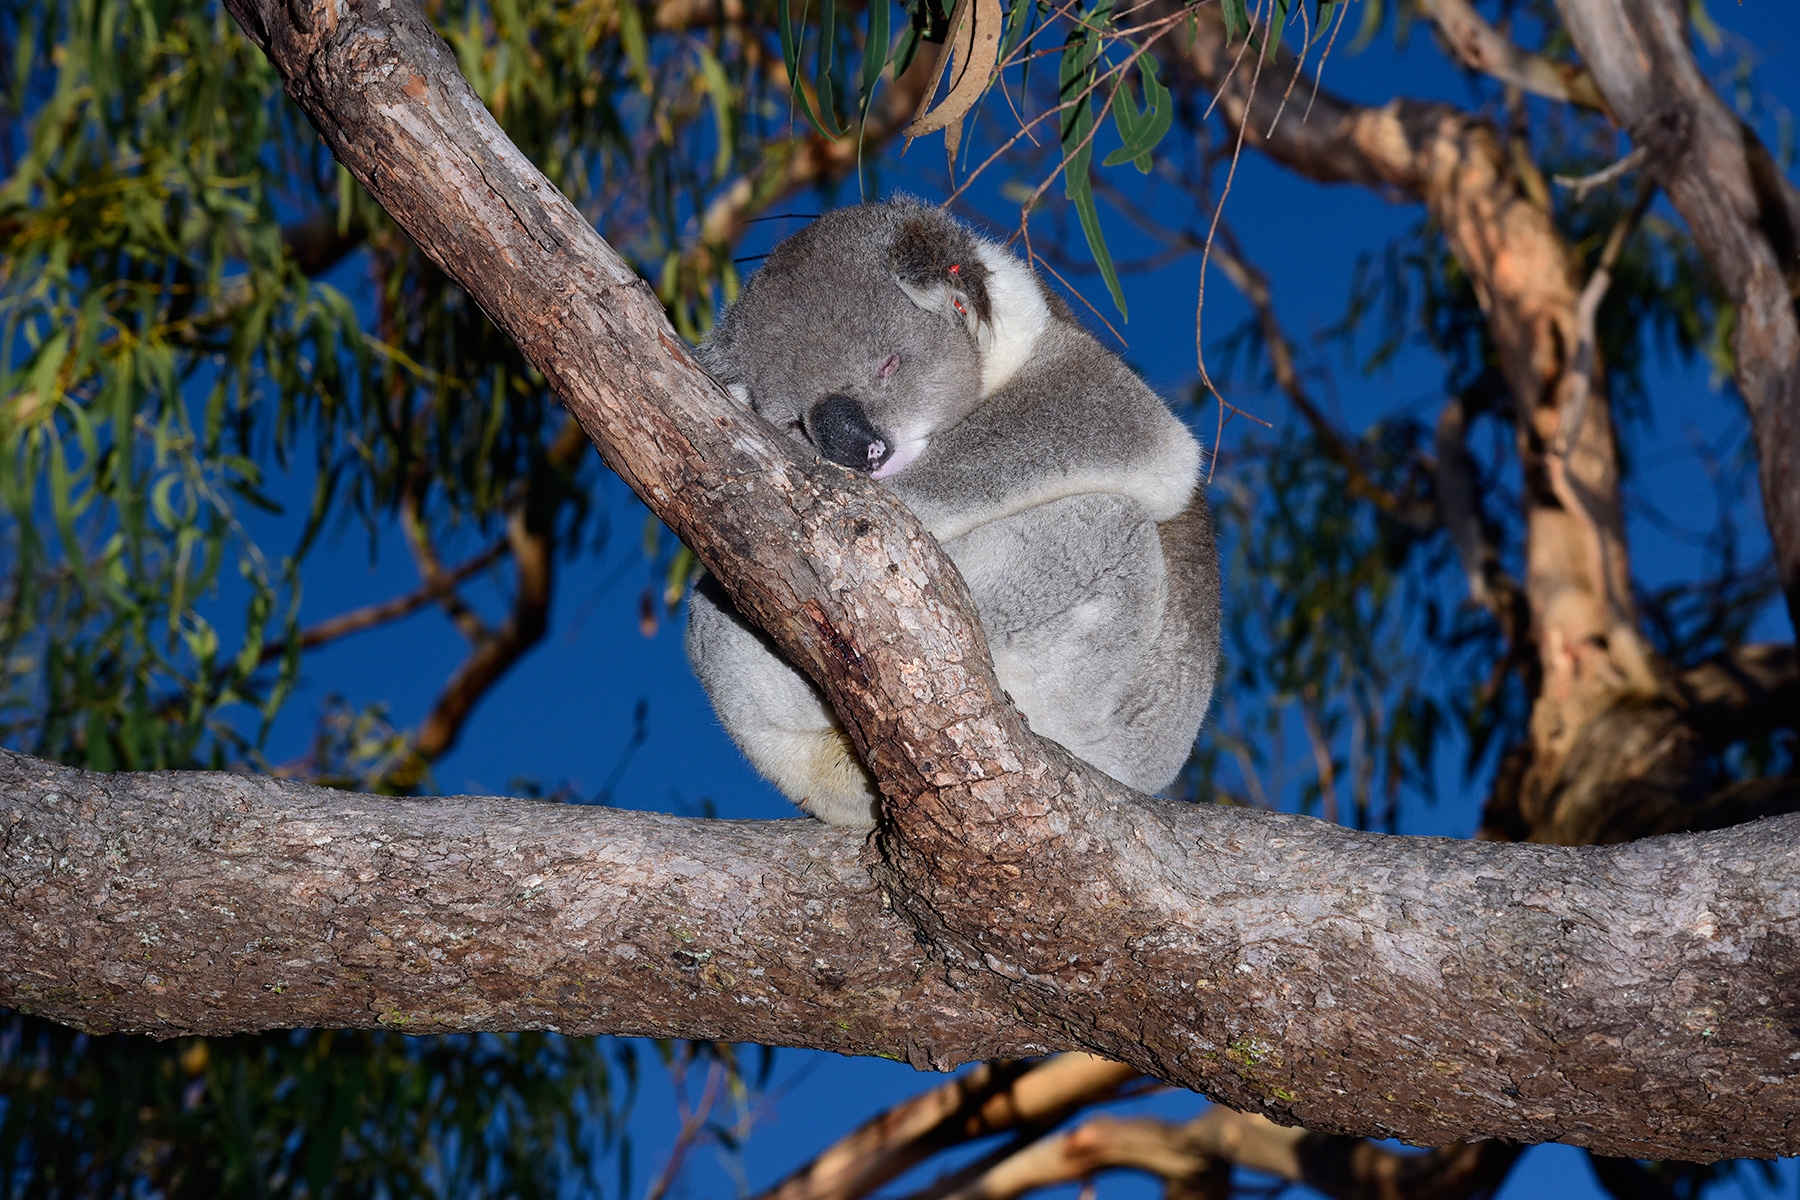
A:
(1072, 596)
(774, 713)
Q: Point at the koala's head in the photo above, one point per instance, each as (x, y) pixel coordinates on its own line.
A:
(862, 334)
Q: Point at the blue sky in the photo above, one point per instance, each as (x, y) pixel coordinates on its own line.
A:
(565, 714)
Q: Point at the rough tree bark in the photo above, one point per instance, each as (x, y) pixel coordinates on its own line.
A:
(1744, 216)
(1637, 999)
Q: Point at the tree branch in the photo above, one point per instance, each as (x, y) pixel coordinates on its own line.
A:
(1744, 217)
(1346, 1168)
(1480, 47)
(1629, 998)
(1516, 991)
(371, 615)
(993, 1098)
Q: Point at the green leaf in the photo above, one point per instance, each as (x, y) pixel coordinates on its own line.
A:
(1277, 22)
(1015, 27)
(1125, 117)
(875, 52)
(1326, 10)
(1371, 25)
(1237, 21)
(724, 106)
(1147, 129)
(637, 47)
(1076, 84)
(790, 56)
(827, 87)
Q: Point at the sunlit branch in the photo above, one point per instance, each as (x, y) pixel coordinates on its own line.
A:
(993, 1098)
(1480, 47)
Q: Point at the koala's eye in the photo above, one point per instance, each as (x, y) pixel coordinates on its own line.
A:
(889, 365)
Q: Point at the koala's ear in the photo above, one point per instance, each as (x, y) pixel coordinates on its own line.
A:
(936, 263)
(951, 302)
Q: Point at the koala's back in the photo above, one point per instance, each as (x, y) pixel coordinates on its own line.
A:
(1103, 626)
(1064, 489)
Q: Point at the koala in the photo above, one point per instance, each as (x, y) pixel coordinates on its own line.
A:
(899, 344)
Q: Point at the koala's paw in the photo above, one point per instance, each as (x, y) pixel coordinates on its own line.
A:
(819, 771)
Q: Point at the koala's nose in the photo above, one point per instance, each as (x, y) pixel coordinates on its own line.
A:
(843, 433)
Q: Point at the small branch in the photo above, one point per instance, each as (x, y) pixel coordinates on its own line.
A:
(1481, 47)
(993, 1098)
(529, 539)
(497, 651)
(1583, 184)
(468, 622)
(369, 616)
(691, 1125)
(1321, 753)
(1574, 487)
(1459, 504)
(1744, 692)
(1209, 1145)
(1584, 361)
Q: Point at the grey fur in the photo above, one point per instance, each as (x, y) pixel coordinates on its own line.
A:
(897, 342)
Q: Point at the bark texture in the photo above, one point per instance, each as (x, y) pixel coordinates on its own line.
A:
(1638, 999)
(1744, 216)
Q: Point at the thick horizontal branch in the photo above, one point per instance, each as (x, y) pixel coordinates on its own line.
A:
(1635, 998)
(211, 903)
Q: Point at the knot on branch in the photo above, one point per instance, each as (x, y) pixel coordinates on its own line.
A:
(1663, 136)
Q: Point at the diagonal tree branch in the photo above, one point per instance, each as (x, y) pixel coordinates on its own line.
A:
(1190, 1156)
(995, 1097)
(1744, 216)
(372, 615)
(1480, 47)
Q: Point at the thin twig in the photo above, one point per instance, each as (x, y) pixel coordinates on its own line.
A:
(691, 1125)
(1583, 184)
(369, 616)
(1237, 151)
(1319, 74)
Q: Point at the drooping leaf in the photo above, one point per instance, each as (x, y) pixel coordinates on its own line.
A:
(1325, 11)
(1075, 89)
(1277, 22)
(1237, 20)
(1146, 129)
(790, 57)
(875, 53)
(969, 55)
(823, 82)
